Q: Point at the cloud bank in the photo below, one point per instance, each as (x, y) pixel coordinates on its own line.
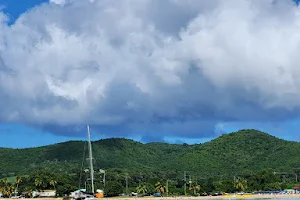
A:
(150, 67)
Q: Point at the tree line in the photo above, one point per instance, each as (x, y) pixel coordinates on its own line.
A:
(124, 182)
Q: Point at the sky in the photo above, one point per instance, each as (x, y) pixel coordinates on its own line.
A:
(149, 70)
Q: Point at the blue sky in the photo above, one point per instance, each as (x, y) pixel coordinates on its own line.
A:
(14, 8)
(158, 71)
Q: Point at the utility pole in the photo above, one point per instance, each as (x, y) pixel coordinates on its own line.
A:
(102, 171)
(184, 182)
(234, 182)
(190, 181)
(104, 179)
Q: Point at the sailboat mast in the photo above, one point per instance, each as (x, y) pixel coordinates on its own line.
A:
(91, 158)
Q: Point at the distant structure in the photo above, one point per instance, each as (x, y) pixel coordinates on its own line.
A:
(46, 193)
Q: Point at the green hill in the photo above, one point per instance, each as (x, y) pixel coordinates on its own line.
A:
(243, 150)
(228, 154)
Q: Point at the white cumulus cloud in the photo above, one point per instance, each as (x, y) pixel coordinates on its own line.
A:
(171, 67)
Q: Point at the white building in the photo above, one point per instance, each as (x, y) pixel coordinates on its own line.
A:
(46, 193)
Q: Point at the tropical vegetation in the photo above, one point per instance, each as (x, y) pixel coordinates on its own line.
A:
(247, 160)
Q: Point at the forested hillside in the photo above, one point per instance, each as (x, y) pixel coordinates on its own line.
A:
(229, 154)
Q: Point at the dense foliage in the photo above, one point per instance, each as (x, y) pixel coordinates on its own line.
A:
(247, 160)
(113, 188)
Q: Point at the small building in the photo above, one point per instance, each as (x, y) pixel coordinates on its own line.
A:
(46, 193)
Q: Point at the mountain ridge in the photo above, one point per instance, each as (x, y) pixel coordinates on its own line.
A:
(114, 138)
(246, 149)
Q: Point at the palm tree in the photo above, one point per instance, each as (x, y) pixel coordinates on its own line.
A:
(18, 181)
(6, 181)
(159, 187)
(141, 189)
(10, 190)
(38, 183)
(2, 184)
(241, 184)
(53, 183)
(195, 188)
(7, 188)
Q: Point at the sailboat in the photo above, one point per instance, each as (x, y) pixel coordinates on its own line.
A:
(82, 193)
